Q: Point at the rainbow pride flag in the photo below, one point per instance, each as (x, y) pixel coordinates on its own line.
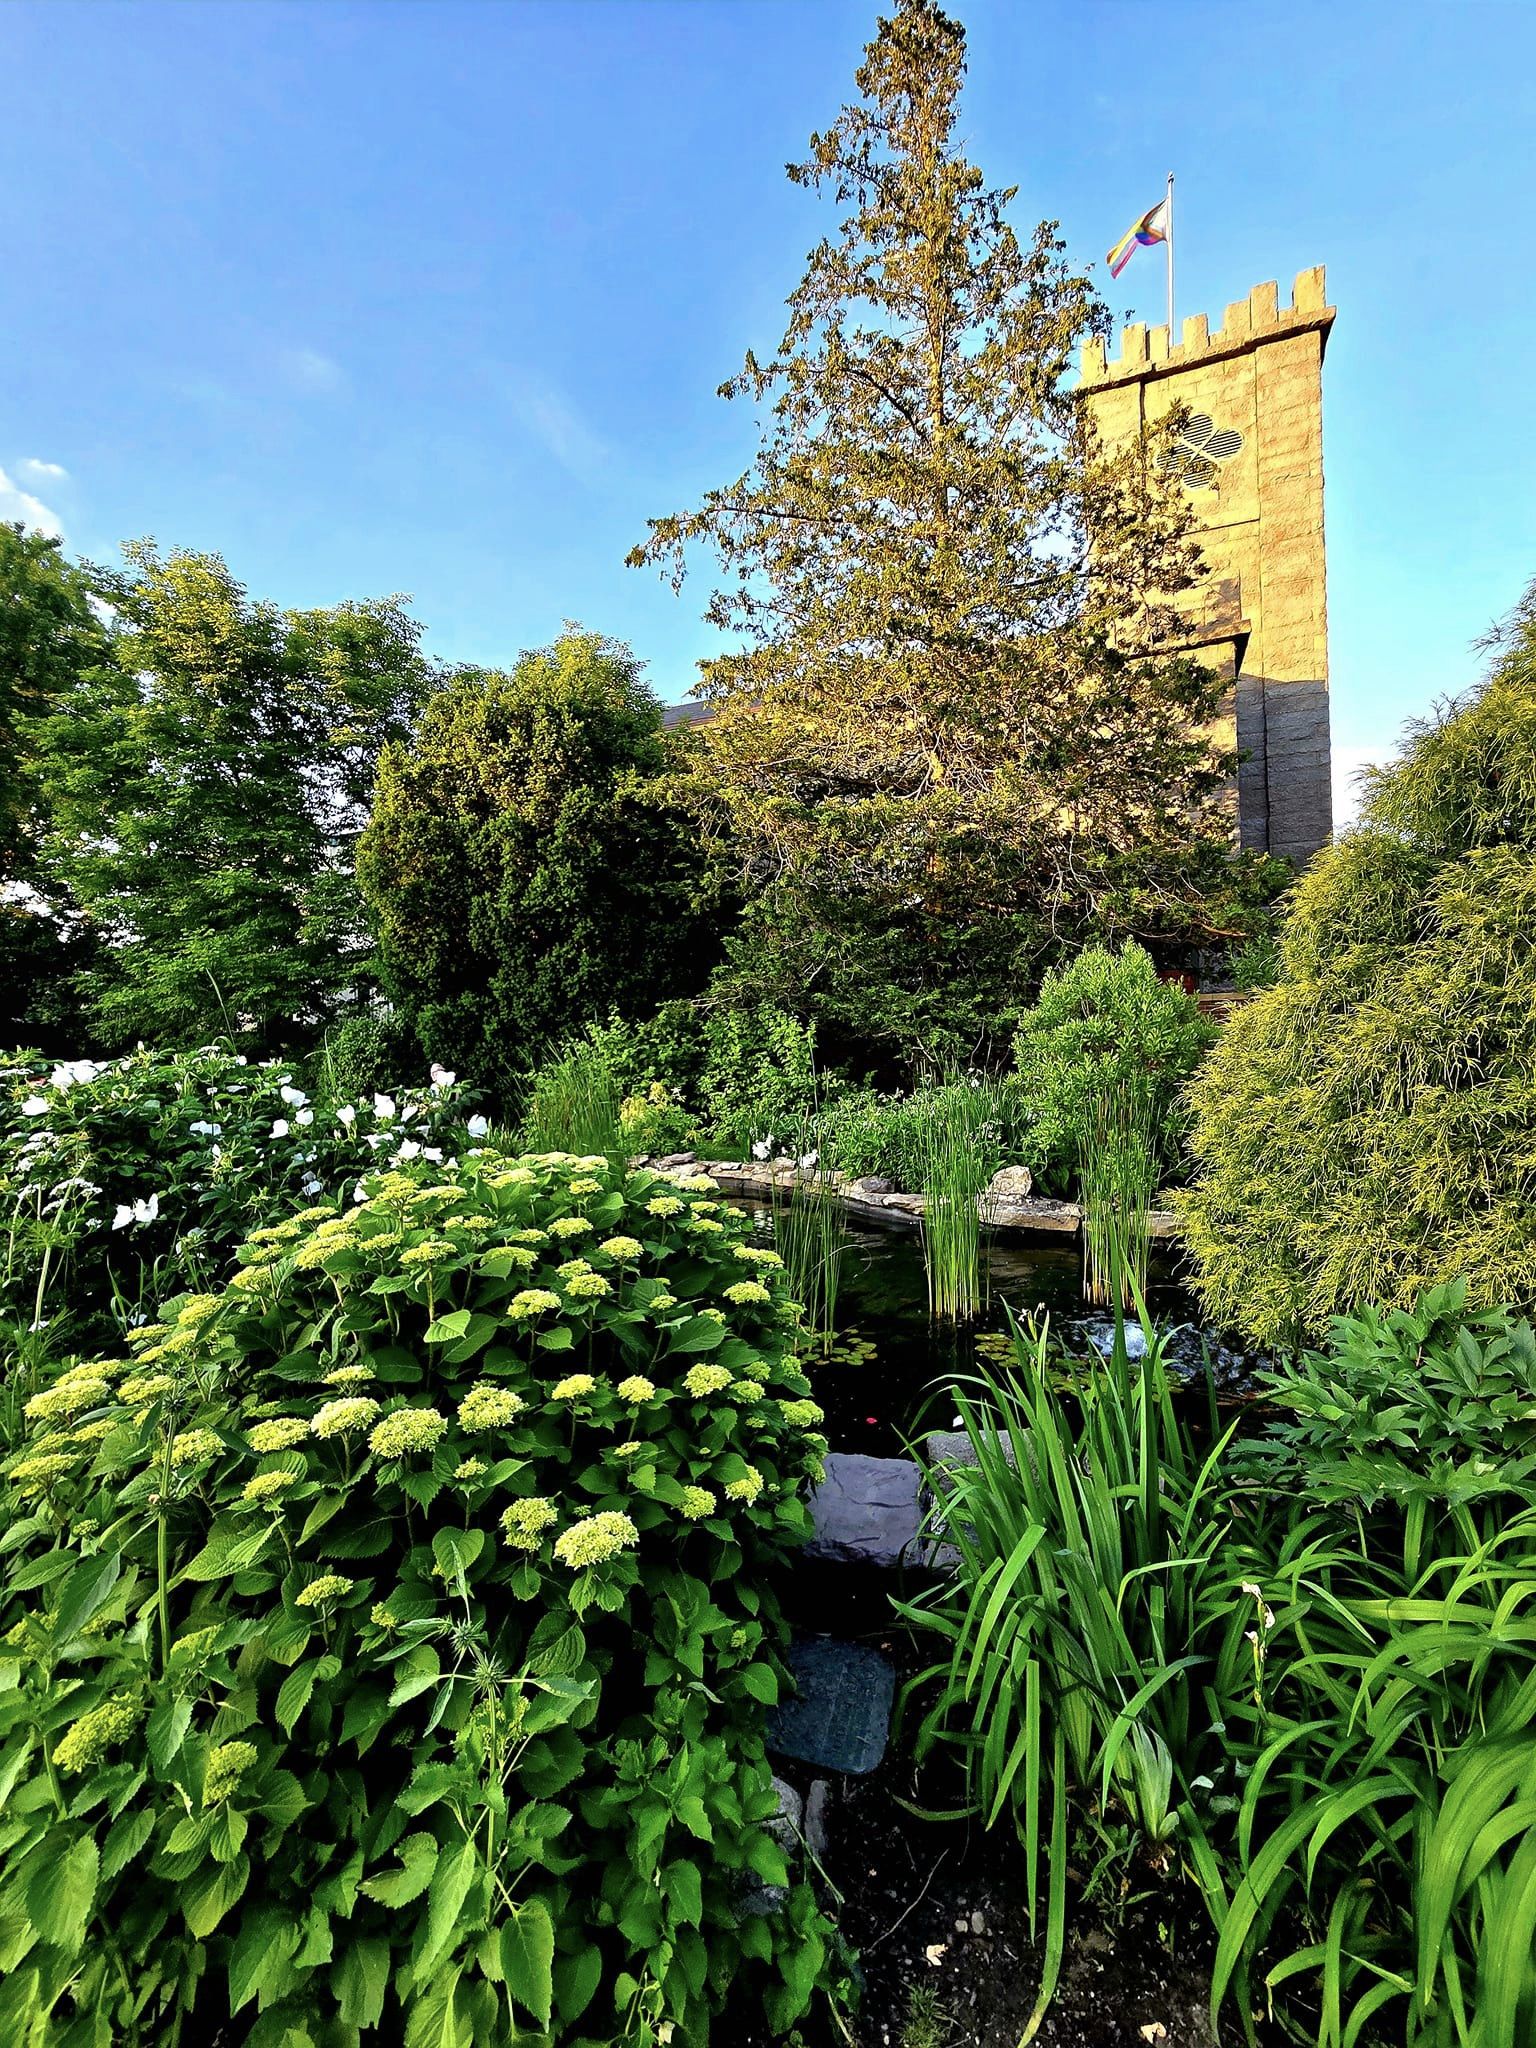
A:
(1152, 227)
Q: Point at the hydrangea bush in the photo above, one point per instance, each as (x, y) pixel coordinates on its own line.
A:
(159, 1165)
(385, 1641)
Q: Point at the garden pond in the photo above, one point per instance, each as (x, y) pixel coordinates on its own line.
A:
(883, 1379)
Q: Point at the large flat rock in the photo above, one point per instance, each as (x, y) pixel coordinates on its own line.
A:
(865, 1511)
(839, 1716)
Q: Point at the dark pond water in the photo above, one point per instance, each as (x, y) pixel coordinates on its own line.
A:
(891, 1367)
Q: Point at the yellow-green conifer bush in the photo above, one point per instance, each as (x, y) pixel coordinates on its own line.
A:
(385, 1643)
(1367, 1127)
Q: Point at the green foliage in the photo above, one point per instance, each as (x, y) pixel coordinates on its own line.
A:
(1085, 1618)
(949, 735)
(385, 1649)
(1104, 1026)
(956, 1133)
(1431, 1403)
(1384, 1739)
(1368, 1126)
(655, 1122)
(524, 876)
(735, 1074)
(1117, 1178)
(573, 1103)
(1300, 1667)
(365, 1055)
(143, 1174)
(204, 793)
(43, 961)
(50, 637)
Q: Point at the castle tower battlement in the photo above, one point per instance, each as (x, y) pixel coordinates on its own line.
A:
(1251, 457)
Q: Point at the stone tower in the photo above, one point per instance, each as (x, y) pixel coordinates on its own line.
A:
(1252, 460)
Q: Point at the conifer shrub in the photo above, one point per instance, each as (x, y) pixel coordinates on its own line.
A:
(385, 1641)
(1367, 1127)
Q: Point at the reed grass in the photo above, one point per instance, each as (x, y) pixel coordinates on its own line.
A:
(810, 1233)
(956, 1130)
(573, 1105)
(1117, 1171)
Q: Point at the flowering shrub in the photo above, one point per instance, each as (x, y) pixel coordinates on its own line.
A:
(160, 1164)
(384, 1642)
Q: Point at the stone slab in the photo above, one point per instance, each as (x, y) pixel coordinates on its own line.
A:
(839, 1717)
(865, 1511)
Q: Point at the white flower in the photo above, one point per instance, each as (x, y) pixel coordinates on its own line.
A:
(205, 1130)
(808, 1160)
(346, 1115)
(384, 1108)
(411, 1111)
(139, 1211)
(479, 1127)
(359, 1193)
(216, 1153)
(313, 1187)
(280, 1127)
(34, 1106)
(68, 1072)
(293, 1096)
(409, 1150)
(373, 1140)
(761, 1149)
(434, 1153)
(305, 1116)
(441, 1077)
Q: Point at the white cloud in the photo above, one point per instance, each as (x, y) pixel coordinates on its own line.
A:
(555, 424)
(1347, 790)
(42, 472)
(15, 503)
(307, 369)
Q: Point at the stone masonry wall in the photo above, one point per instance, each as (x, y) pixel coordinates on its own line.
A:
(1261, 613)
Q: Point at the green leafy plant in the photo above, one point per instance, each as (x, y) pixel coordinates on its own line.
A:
(203, 789)
(1367, 1126)
(1383, 1862)
(656, 1121)
(143, 1174)
(384, 1650)
(1085, 1625)
(810, 1233)
(523, 869)
(1105, 1029)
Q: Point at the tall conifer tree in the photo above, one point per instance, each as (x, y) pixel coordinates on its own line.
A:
(945, 740)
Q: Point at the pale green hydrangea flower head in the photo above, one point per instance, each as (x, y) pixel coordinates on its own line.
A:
(406, 1431)
(596, 1539)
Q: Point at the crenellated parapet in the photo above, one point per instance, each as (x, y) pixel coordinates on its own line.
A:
(1146, 351)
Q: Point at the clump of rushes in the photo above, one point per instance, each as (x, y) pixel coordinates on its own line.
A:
(810, 1236)
(457, 1532)
(1117, 1176)
(957, 1141)
(574, 1103)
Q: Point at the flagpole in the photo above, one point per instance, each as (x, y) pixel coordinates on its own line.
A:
(1172, 337)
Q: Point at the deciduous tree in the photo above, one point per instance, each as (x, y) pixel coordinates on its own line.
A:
(523, 877)
(205, 790)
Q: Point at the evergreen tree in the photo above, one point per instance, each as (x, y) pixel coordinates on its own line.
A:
(948, 738)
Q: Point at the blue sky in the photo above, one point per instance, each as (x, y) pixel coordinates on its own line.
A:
(435, 297)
